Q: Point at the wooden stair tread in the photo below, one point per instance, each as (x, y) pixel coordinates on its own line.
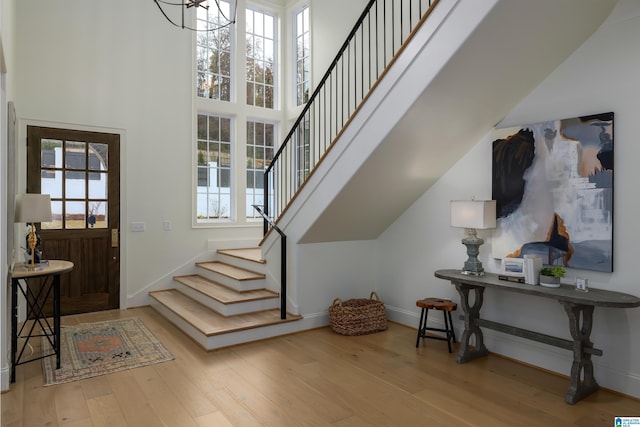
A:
(211, 323)
(251, 254)
(228, 270)
(222, 293)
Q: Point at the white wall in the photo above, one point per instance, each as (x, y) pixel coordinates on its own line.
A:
(120, 67)
(600, 76)
(331, 22)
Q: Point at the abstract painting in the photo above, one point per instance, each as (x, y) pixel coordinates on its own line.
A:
(553, 186)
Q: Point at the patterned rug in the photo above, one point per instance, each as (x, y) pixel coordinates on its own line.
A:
(92, 349)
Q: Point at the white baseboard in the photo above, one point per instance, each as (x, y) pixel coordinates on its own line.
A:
(5, 376)
(411, 319)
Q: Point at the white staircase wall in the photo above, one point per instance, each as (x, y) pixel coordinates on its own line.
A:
(465, 69)
(600, 76)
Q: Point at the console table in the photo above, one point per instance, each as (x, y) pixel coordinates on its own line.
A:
(577, 304)
(35, 307)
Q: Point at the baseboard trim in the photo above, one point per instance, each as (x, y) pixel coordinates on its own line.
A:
(5, 374)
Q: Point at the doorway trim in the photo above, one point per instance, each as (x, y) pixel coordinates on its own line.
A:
(21, 171)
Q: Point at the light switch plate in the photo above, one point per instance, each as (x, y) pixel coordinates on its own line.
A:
(137, 226)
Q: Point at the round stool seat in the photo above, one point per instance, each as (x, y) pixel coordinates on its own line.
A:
(437, 304)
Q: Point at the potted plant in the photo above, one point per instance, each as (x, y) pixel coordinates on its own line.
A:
(550, 276)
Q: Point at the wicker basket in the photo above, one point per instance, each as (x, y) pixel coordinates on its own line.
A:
(358, 316)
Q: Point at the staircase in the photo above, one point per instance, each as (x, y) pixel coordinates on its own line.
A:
(226, 302)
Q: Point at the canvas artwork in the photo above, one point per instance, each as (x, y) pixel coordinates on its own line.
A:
(553, 186)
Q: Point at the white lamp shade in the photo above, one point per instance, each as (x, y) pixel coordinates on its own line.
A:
(32, 208)
(479, 214)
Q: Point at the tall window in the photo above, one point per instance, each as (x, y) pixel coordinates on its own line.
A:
(261, 54)
(303, 155)
(214, 42)
(214, 167)
(227, 68)
(302, 56)
(260, 148)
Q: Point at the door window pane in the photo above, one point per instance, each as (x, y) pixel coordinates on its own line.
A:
(75, 185)
(51, 183)
(75, 155)
(97, 214)
(56, 217)
(98, 185)
(98, 157)
(75, 216)
(50, 151)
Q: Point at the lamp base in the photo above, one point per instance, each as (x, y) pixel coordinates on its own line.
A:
(472, 266)
(33, 240)
(472, 273)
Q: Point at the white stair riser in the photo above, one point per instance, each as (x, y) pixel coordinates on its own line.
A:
(224, 340)
(258, 267)
(249, 335)
(238, 285)
(228, 309)
(180, 323)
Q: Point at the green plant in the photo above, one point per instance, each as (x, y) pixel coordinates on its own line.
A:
(555, 271)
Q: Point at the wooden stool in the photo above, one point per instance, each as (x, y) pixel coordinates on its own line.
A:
(444, 305)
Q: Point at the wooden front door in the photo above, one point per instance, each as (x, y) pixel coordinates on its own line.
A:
(81, 172)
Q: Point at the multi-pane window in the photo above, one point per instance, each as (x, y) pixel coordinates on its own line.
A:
(261, 54)
(75, 174)
(214, 164)
(221, 193)
(302, 56)
(213, 56)
(260, 149)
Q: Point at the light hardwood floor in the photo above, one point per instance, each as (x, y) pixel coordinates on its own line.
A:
(314, 378)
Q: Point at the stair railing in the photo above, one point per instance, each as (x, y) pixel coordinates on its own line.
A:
(379, 35)
(283, 262)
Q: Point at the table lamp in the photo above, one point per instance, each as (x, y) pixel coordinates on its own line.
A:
(32, 208)
(473, 215)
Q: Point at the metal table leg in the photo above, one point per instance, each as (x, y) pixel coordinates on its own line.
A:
(14, 328)
(35, 308)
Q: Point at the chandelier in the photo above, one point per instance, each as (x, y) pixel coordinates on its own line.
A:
(169, 11)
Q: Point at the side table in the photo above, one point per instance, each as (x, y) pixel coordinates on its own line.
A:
(579, 307)
(35, 307)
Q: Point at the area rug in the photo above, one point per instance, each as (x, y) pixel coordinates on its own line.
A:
(92, 349)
